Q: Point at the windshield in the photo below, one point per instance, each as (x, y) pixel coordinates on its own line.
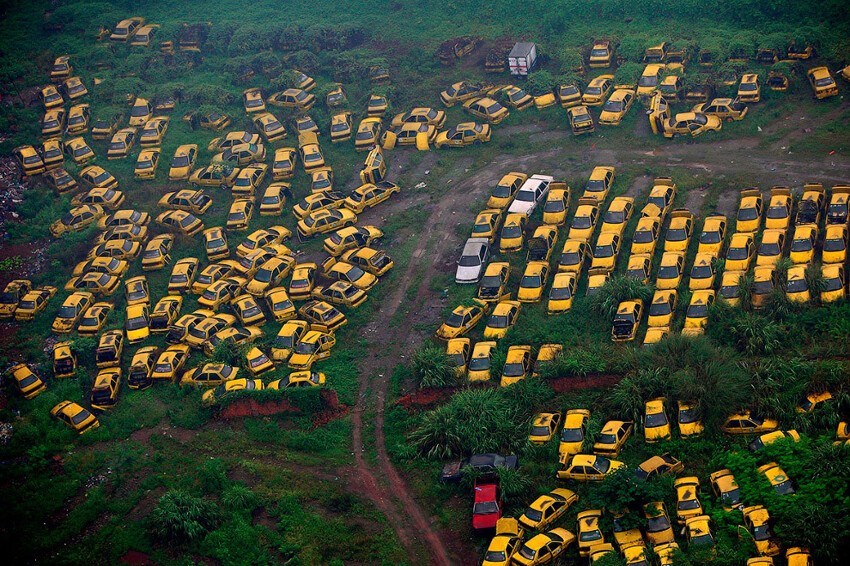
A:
(478, 364)
(697, 311)
(514, 370)
(485, 508)
(668, 272)
(797, 286)
(511, 232)
(572, 435)
(560, 293)
(554, 206)
(581, 222)
(530, 282)
(769, 249)
(832, 284)
(831, 245)
(655, 420)
(603, 251)
(650, 80)
(657, 524)
(599, 53)
(497, 321)
(263, 276)
(688, 416)
(595, 186)
(305, 347)
(701, 272)
(64, 311)
(469, 261)
(136, 323)
(747, 214)
(501, 191)
(709, 238)
(525, 196)
(643, 237)
(777, 212)
(613, 106)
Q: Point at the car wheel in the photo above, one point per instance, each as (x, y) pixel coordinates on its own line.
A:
(476, 142)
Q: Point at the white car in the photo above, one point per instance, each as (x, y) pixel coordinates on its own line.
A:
(473, 260)
(530, 193)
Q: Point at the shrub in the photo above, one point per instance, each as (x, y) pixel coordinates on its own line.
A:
(754, 334)
(616, 290)
(180, 517)
(433, 368)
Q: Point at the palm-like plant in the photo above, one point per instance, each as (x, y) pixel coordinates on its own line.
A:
(616, 290)
(433, 368)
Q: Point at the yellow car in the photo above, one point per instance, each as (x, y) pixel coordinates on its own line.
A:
(311, 157)
(726, 489)
(154, 131)
(812, 399)
(146, 164)
(103, 128)
(517, 98)
(183, 275)
(79, 151)
(544, 547)
(213, 396)
(544, 96)
(457, 350)
(461, 91)
(273, 199)
(696, 317)
(712, 236)
(568, 95)
(584, 220)
(109, 348)
(28, 382)
(78, 119)
(581, 121)
(546, 356)
(728, 109)
(795, 555)
(658, 528)
(543, 427)
(126, 29)
(502, 319)
(341, 127)
(699, 533)
(656, 425)
(480, 361)
(121, 143)
(771, 248)
(299, 379)
(679, 231)
(420, 115)
(517, 365)
(601, 54)
(589, 531)
(617, 216)
(462, 320)
(834, 283)
(107, 198)
(770, 437)
(574, 255)
(803, 244)
(687, 501)
(463, 134)
(270, 274)
(369, 195)
(555, 207)
(777, 477)
(322, 316)
(505, 544)
(209, 374)
(303, 280)
(74, 88)
(597, 90)
(280, 305)
(420, 135)
(34, 302)
(215, 175)
(61, 181)
(314, 346)
(341, 293)
(779, 209)
(156, 254)
(747, 423)
(671, 270)
(605, 252)
(834, 244)
(221, 292)
(241, 154)
(137, 323)
(596, 279)
(547, 509)
(257, 362)
(639, 267)
(52, 155)
(757, 521)
(691, 123)
(53, 122)
(616, 107)
(649, 79)
(573, 434)
(287, 337)
(599, 183)
(562, 292)
(702, 273)
(765, 281)
(505, 190)
(252, 100)
(612, 438)
(181, 222)
(749, 90)
(94, 318)
(588, 467)
(144, 35)
(797, 288)
(742, 250)
(240, 213)
(75, 417)
(293, 98)
(136, 290)
(71, 311)
(688, 420)
(51, 98)
(377, 105)
(190, 200)
(304, 125)
(164, 313)
(64, 360)
(341, 271)
(247, 181)
(486, 109)
(646, 234)
(662, 308)
(822, 83)
(533, 282)
(487, 224)
(368, 133)
(749, 211)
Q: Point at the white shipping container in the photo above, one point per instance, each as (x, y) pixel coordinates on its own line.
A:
(522, 58)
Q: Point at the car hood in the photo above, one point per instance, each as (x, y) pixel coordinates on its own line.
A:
(470, 274)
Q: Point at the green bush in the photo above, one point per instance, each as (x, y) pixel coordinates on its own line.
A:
(180, 517)
(616, 290)
(433, 368)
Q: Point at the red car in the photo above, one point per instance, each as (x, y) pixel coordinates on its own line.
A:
(487, 508)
